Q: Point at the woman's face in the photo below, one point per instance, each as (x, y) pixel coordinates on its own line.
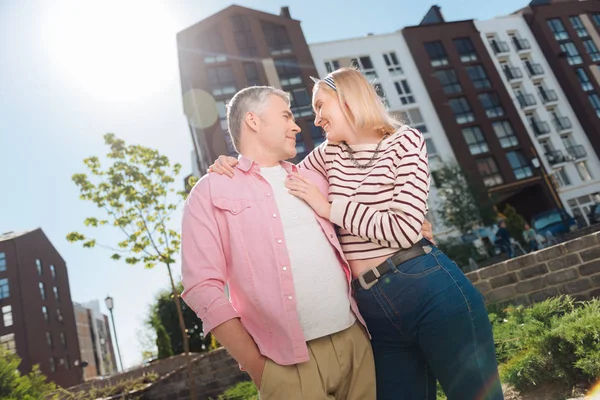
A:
(329, 116)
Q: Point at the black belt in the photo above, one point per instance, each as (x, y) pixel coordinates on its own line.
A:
(367, 279)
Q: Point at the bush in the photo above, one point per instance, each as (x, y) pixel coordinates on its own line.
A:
(14, 386)
(123, 388)
(557, 340)
(242, 391)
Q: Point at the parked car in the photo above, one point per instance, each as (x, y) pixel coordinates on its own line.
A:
(556, 221)
(594, 215)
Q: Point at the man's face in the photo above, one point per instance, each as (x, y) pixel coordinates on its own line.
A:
(277, 129)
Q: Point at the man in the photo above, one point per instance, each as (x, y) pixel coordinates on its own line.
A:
(503, 239)
(292, 323)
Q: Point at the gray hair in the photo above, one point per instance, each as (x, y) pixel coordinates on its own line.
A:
(250, 99)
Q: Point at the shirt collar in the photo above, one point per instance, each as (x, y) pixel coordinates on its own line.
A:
(246, 164)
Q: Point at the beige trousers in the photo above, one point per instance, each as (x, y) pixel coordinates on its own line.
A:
(341, 367)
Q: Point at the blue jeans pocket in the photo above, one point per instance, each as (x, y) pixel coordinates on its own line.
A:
(419, 267)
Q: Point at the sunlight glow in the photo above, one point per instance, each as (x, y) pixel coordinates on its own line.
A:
(594, 394)
(114, 50)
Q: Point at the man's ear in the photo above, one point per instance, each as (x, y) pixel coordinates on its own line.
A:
(251, 119)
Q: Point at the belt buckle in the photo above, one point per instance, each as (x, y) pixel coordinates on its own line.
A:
(365, 285)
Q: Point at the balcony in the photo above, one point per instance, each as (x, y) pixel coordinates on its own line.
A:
(521, 44)
(513, 73)
(548, 96)
(534, 69)
(499, 47)
(526, 100)
(540, 128)
(562, 124)
(578, 152)
(556, 157)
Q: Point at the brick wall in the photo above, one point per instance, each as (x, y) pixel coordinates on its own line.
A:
(571, 267)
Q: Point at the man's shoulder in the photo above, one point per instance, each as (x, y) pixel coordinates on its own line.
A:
(215, 185)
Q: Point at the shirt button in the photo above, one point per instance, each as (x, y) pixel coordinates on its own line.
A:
(234, 210)
(289, 297)
(279, 241)
(268, 194)
(274, 215)
(284, 268)
(331, 235)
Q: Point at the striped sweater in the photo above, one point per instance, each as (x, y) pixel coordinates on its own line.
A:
(379, 209)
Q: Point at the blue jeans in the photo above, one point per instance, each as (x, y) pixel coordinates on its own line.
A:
(428, 323)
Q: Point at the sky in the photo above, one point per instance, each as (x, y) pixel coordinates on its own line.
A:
(73, 70)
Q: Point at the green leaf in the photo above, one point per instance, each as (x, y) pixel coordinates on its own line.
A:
(90, 243)
(116, 256)
(75, 237)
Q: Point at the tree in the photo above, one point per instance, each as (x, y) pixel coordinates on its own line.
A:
(163, 342)
(14, 386)
(515, 223)
(464, 204)
(135, 195)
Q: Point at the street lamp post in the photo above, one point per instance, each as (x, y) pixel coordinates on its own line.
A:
(110, 304)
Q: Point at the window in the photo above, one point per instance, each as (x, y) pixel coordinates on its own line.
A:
(42, 290)
(491, 103)
(406, 96)
(381, 93)
(214, 45)
(557, 27)
(300, 103)
(586, 84)
(59, 315)
(4, 291)
(67, 363)
(277, 38)
(449, 81)
(465, 48)
(8, 342)
(288, 71)
(505, 133)
(63, 340)
(38, 264)
(221, 80)
(462, 110)
(478, 77)
(475, 140)
(49, 340)
(413, 118)
(431, 150)
(222, 111)
(300, 147)
(596, 19)
(519, 165)
(242, 34)
(316, 133)
(332, 65)
(2, 262)
(571, 52)
(53, 271)
(561, 177)
(365, 65)
(251, 72)
(591, 49)
(437, 54)
(392, 63)
(7, 316)
(52, 365)
(584, 172)
(595, 100)
(56, 296)
(488, 170)
(45, 312)
(579, 27)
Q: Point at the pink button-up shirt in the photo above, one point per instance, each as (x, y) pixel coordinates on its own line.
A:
(232, 235)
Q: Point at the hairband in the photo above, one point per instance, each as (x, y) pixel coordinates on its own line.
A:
(328, 80)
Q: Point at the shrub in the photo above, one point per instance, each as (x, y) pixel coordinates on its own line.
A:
(242, 391)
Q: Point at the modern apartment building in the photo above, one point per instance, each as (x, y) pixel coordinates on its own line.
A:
(38, 322)
(386, 60)
(559, 139)
(233, 49)
(482, 121)
(95, 341)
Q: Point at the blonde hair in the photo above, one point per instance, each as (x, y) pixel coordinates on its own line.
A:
(360, 103)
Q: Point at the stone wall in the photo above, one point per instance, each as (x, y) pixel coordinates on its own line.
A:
(213, 374)
(571, 268)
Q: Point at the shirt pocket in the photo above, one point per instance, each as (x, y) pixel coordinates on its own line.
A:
(232, 207)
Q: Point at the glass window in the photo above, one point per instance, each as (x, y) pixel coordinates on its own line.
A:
(288, 71)
(38, 265)
(475, 140)
(277, 38)
(488, 170)
(316, 133)
(491, 102)
(462, 110)
(300, 147)
(591, 49)
(63, 340)
(45, 312)
(448, 80)
(8, 342)
(7, 316)
(478, 76)
(53, 271)
(332, 65)
(42, 290)
(571, 52)
(213, 45)
(379, 89)
(406, 96)
(252, 77)
(557, 27)
(59, 315)
(221, 79)
(586, 84)
(56, 296)
(49, 340)
(465, 48)
(2, 262)
(392, 63)
(242, 34)
(437, 53)
(584, 172)
(595, 100)
(52, 365)
(519, 165)
(431, 149)
(579, 27)
(300, 103)
(4, 290)
(365, 65)
(505, 133)
(561, 177)
(596, 19)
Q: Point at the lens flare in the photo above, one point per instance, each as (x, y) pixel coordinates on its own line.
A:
(594, 393)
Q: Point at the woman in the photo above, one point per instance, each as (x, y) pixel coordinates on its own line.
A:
(426, 319)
